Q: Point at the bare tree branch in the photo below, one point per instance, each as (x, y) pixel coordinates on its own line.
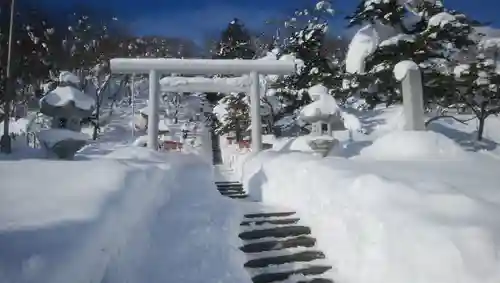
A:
(448, 116)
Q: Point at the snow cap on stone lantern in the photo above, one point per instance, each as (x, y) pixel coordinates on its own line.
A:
(317, 91)
(69, 78)
(323, 110)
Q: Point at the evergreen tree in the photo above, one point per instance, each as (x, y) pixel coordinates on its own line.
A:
(235, 42)
(236, 117)
(389, 13)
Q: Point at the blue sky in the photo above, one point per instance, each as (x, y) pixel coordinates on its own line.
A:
(202, 18)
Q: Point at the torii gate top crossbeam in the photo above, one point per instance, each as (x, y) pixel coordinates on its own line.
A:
(201, 66)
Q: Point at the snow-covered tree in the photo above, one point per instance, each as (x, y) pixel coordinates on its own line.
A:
(478, 86)
(394, 30)
(307, 31)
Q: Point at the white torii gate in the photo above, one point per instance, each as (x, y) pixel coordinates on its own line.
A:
(157, 66)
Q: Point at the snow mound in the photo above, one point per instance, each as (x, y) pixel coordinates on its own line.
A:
(63, 95)
(402, 68)
(408, 145)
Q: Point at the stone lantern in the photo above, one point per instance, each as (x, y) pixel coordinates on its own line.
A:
(67, 105)
(325, 118)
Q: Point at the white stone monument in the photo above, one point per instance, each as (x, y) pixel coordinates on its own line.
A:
(408, 73)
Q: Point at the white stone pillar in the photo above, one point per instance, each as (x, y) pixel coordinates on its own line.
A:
(153, 116)
(255, 112)
(409, 74)
(413, 101)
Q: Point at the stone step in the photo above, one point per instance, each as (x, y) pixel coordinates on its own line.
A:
(230, 189)
(232, 193)
(317, 280)
(270, 221)
(269, 214)
(227, 183)
(279, 232)
(301, 241)
(280, 276)
(237, 196)
(296, 257)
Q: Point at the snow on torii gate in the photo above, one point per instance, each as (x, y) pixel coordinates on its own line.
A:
(157, 66)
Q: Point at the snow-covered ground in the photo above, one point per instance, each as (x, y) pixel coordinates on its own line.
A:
(118, 213)
(392, 206)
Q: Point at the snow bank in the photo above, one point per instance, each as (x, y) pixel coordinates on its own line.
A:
(406, 145)
(389, 221)
(135, 215)
(26, 205)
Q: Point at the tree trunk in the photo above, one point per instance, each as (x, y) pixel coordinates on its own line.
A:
(237, 130)
(482, 121)
(480, 130)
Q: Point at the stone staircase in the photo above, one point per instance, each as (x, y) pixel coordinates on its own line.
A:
(277, 245)
(232, 190)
